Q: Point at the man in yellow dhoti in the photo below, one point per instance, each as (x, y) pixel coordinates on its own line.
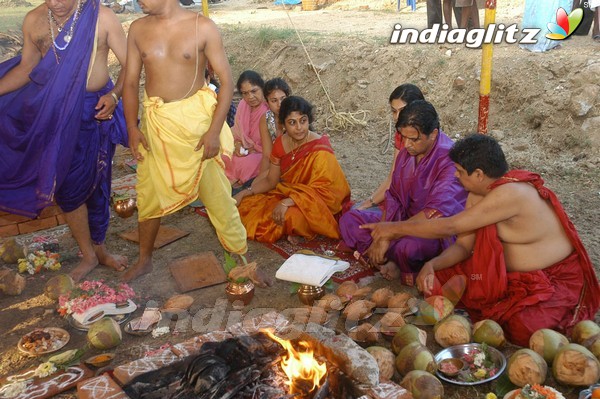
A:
(180, 135)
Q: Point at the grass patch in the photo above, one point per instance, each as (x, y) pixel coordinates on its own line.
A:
(11, 18)
(266, 35)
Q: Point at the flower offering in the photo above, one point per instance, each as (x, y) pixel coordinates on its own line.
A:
(36, 261)
(91, 293)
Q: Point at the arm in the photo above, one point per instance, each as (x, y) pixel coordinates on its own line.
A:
(267, 144)
(379, 194)
(215, 53)
(131, 87)
(260, 186)
(117, 42)
(30, 57)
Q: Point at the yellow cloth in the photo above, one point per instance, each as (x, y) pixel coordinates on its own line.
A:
(172, 175)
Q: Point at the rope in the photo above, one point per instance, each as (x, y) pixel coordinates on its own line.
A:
(339, 120)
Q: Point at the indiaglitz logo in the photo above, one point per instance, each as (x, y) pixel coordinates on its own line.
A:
(565, 24)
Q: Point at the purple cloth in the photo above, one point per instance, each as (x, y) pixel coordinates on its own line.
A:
(424, 186)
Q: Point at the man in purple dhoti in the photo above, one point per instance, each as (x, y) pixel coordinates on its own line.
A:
(60, 119)
(423, 186)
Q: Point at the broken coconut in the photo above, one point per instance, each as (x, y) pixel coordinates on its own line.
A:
(488, 332)
(385, 361)
(452, 330)
(415, 356)
(422, 385)
(575, 365)
(11, 251)
(11, 282)
(408, 334)
(346, 290)
(435, 308)
(59, 285)
(584, 330)
(364, 333)
(381, 297)
(105, 334)
(359, 310)
(391, 322)
(546, 343)
(330, 302)
(526, 367)
(399, 302)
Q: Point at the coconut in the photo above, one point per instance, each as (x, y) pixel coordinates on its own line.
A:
(391, 322)
(105, 334)
(399, 302)
(364, 333)
(435, 308)
(593, 345)
(584, 330)
(385, 361)
(526, 367)
(452, 330)
(59, 285)
(11, 251)
(546, 342)
(415, 356)
(330, 302)
(488, 332)
(346, 290)
(575, 365)
(381, 297)
(408, 334)
(422, 385)
(359, 310)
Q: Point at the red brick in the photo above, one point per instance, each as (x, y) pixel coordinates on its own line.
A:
(50, 211)
(9, 231)
(37, 224)
(9, 219)
(61, 219)
(101, 387)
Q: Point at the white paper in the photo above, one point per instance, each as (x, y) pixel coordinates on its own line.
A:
(310, 269)
(97, 312)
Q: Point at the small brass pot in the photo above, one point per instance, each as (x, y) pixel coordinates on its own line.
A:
(125, 208)
(243, 292)
(308, 294)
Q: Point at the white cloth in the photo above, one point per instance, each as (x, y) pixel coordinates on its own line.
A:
(594, 4)
(310, 269)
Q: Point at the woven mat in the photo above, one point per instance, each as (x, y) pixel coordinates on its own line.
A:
(318, 245)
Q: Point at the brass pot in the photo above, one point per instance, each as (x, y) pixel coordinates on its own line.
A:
(125, 208)
(308, 294)
(243, 292)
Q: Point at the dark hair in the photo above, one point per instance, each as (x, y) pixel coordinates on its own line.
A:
(276, 84)
(479, 151)
(295, 104)
(421, 115)
(407, 93)
(251, 77)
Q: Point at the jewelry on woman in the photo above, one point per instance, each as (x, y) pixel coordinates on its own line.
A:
(69, 35)
(115, 97)
(295, 150)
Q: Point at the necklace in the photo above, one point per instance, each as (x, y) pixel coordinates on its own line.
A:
(69, 35)
(295, 150)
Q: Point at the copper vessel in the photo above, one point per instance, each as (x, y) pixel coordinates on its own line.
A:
(308, 294)
(243, 292)
(125, 208)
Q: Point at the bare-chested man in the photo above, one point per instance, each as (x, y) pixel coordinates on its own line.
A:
(520, 256)
(60, 119)
(182, 126)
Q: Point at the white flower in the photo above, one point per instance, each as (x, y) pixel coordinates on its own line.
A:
(45, 369)
(13, 389)
(479, 359)
(157, 332)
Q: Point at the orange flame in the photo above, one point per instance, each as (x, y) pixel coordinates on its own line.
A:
(300, 365)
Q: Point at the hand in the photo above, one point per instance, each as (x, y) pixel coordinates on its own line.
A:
(240, 196)
(381, 231)
(106, 106)
(376, 252)
(279, 214)
(136, 137)
(210, 142)
(366, 204)
(426, 278)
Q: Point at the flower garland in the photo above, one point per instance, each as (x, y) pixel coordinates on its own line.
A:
(36, 261)
(91, 293)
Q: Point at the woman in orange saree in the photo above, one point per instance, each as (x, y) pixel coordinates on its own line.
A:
(305, 188)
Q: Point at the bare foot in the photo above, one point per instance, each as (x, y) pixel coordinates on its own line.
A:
(117, 262)
(137, 270)
(295, 240)
(83, 268)
(389, 271)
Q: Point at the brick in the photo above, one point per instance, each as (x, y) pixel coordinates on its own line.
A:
(9, 219)
(9, 231)
(37, 224)
(61, 219)
(101, 387)
(50, 211)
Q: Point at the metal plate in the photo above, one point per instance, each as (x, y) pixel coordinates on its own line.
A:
(58, 339)
(119, 318)
(460, 350)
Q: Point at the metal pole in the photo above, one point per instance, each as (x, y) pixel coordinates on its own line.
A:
(485, 83)
(205, 8)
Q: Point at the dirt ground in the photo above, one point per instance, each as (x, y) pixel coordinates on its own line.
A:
(545, 111)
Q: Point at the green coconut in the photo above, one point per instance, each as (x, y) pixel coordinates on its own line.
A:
(422, 385)
(583, 331)
(488, 332)
(546, 343)
(593, 345)
(105, 334)
(59, 285)
(408, 334)
(526, 367)
(452, 330)
(435, 308)
(415, 356)
(575, 365)
(385, 361)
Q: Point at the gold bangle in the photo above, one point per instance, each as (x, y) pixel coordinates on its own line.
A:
(281, 203)
(115, 97)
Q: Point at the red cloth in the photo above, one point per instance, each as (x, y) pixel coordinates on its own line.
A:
(523, 302)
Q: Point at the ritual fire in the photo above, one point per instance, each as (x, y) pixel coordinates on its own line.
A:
(305, 374)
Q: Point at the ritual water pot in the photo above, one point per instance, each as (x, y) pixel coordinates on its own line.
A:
(125, 208)
(243, 292)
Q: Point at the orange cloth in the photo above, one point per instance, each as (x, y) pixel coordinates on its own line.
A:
(556, 297)
(313, 178)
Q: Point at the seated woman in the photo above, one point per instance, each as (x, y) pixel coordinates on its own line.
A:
(305, 188)
(244, 165)
(270, 128)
